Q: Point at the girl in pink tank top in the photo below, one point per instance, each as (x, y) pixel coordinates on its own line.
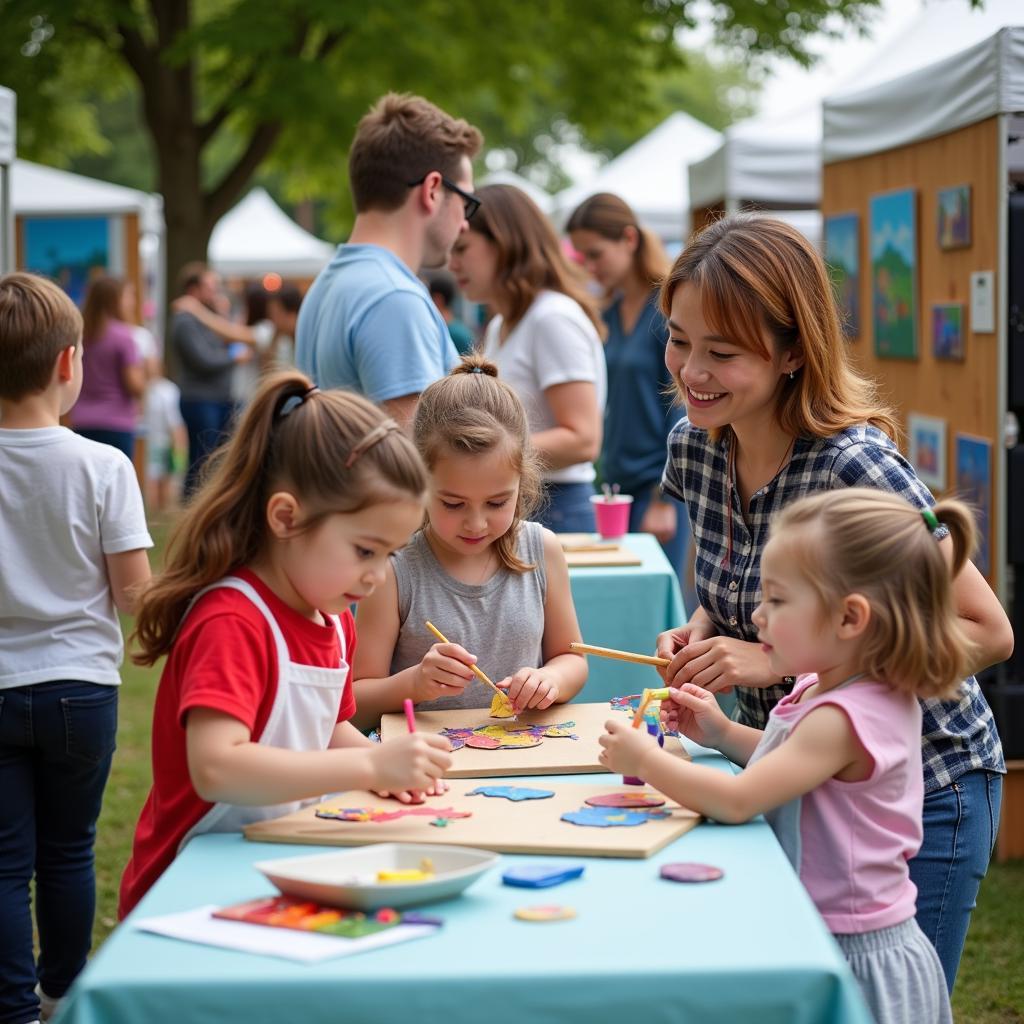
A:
(857, 603)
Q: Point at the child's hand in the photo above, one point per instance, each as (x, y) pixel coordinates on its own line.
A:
(415, 796)
(444, 672)
(413, 762)
(624, 749)
(695, 713)
(530, 688)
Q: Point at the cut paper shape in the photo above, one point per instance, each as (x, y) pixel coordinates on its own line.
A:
(631, 704)
(497, 737)
(690, 872)
(545, 912)
(501, 707)
(621, 800)
(380, 814)
(515, 793)
(612, 817)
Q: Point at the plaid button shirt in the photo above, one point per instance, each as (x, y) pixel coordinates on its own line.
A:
(958, 735)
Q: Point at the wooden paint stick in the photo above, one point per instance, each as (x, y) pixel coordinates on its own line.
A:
(608, 652)
(478, 672)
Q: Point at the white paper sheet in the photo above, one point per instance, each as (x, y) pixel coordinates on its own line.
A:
(200, 926)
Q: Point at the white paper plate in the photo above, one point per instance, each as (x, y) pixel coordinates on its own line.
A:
(348, 878)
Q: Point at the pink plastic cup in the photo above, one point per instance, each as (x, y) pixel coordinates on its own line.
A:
(612, 514)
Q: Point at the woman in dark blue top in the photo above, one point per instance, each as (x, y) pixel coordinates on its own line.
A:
(628, 262)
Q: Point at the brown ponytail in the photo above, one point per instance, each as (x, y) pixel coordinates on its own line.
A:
(292, 437)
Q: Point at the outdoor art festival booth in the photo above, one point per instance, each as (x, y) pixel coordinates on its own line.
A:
(923, 198)
(650, 176)
(68, 227)
(770, 163)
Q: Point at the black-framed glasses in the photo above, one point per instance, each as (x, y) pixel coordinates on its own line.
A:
(470, 202)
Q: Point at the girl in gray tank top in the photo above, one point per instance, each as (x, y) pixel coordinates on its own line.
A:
(495, 583)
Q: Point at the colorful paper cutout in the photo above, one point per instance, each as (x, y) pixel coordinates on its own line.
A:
(515, 793)
(380, 814)
(306, 916)
(612, 817)
(497, 737)
(501, 707)
(621, 800)
(545, 912)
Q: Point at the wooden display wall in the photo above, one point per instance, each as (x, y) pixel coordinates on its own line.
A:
(965, 393)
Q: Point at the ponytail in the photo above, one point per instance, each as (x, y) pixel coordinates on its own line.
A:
(334, 450)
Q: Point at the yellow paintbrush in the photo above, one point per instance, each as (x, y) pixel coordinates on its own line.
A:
(478, 672)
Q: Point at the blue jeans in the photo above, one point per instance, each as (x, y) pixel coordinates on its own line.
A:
(568, 508)
(675, 548)
(123, 440)
(207, 423)
(960, 826)
(56, 743)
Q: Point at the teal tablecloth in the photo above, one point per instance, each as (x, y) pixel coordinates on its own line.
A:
(748, 947)
(626, 608)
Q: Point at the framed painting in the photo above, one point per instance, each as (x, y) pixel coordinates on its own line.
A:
(894, 274)
(926, 449)
(842, 254)
(954, 217)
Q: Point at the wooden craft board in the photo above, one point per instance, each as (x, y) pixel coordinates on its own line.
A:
(591, 559)
(553, 756)
(527, 826)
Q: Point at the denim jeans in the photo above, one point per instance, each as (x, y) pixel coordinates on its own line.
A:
(56, 743)
(123, 440)
(207, 423)
(677, 547)
(568, 508)
(960, 826)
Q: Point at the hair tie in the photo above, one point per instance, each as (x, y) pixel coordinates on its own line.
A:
(930, 519)
(289, 404)
(369, 440)
(476, 369)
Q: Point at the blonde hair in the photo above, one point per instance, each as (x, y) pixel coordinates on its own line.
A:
(756, 275)
(530, 256)
(471, 412)
(609, 216)
(334, 450)
(870, 542)
(37, 322)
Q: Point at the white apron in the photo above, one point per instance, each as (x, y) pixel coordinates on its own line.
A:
(303, 717)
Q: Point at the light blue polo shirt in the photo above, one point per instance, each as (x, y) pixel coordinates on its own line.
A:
(369, 324)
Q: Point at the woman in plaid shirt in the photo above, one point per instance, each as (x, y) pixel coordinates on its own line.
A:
(775, 411)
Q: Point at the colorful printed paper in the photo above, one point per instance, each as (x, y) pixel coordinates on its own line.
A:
(498, 737)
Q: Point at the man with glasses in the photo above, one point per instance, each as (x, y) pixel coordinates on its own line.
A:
(368, 322)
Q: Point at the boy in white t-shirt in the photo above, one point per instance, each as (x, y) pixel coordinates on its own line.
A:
(73, 536)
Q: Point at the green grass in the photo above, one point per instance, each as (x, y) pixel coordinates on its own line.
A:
(990, 986)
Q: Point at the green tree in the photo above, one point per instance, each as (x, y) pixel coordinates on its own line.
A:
(225, 85)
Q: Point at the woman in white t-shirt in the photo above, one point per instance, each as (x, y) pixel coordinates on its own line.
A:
(545, 339)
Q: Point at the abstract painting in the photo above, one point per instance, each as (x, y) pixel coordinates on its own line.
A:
(894, 274)
(948, 330)
(954, 217)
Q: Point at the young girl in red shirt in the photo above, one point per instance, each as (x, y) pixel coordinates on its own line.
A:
(294, 524)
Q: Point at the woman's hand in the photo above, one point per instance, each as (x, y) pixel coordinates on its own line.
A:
(719, 663)
(673, 642)
(530, 688)
(444, 672)
(695, 713)
(625, 749)
(661, 519)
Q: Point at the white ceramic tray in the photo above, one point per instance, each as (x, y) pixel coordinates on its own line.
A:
(348, 878)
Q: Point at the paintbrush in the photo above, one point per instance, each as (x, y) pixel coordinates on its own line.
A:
(608, 652)
(478, 672)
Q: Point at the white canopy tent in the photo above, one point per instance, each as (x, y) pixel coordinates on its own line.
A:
(954, 66)
(650, 176)
(7, 137)
(257, 237)
(772, 160)
(544, 200)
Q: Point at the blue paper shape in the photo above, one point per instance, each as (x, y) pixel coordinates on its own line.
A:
(512, 792)
(612, 817)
